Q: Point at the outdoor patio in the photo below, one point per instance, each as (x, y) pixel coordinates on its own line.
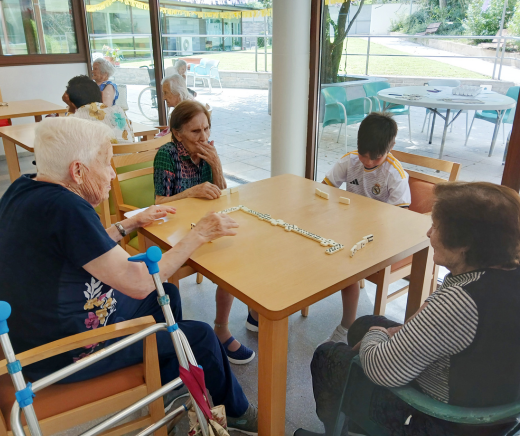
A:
(241, 129)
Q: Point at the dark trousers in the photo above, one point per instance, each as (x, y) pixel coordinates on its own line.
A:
(220, 380)
(329, 370)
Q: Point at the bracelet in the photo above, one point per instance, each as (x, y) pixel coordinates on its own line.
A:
(121, 229)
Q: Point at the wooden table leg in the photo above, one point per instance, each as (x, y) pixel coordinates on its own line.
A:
(13, 165)
(420, 280)
(272, 376)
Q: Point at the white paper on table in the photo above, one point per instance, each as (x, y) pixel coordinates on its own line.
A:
(134, 212)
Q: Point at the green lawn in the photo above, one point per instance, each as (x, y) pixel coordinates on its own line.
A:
(392, 66)
(398, 66)
(229, 61)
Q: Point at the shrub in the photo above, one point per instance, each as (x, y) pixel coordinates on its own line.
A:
(514, 25)
(487, 23)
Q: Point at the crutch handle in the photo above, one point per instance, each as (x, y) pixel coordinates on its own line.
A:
(152, 257)
(5, 312)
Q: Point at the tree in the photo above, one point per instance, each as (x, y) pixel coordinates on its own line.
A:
(332, 51)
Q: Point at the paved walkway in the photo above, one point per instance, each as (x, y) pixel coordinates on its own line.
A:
(481, 66)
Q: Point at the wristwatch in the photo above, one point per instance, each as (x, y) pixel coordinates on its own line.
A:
(121, 229)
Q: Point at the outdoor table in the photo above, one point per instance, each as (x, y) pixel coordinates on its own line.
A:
(29, 108)
(436, 100)
(278, 273)
(23, 136)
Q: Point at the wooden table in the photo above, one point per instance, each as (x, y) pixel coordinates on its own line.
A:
(278, 273)
(23, 136)
(29, 108)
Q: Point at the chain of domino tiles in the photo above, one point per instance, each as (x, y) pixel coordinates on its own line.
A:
(334, 246)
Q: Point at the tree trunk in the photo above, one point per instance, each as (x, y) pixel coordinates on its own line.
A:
(332, 51)
(442, 4)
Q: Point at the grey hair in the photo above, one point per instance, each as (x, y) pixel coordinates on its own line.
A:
(180, 63)
(177, 85)
(105, 67)
(62, 140)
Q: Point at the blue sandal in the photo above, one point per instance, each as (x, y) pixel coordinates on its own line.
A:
(241, 356)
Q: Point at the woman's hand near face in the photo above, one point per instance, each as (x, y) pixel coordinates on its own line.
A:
(205, 190)
(214, 226)
(208, 152)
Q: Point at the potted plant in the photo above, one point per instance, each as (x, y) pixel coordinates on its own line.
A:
(112, 55)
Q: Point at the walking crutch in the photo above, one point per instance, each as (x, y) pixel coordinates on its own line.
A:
(25, 392)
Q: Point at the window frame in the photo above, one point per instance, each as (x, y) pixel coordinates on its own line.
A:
(80, 30)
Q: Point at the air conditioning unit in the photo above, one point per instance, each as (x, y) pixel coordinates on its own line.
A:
(186, 46)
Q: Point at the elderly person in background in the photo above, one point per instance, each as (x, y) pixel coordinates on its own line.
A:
(80, 278)
(181, 67)
(84, 100)
(463, 345)
(189, 166)
(102, 70)
(174, 90)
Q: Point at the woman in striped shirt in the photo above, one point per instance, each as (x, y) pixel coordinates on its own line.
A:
(463, 345)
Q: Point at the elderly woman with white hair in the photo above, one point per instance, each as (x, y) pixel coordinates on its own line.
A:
(64, 274)
(181, 67)
(102, 70)
(175, 90)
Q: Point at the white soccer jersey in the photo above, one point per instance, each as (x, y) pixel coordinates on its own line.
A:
(387, 182)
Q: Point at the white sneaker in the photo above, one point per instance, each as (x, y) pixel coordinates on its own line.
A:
(338, 335)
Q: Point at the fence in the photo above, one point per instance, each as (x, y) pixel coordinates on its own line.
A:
(498, 58)
(502, 41)
(109, 38)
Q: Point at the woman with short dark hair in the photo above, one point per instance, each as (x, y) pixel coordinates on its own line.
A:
(463, 345)
(189, 166)
(84, 98)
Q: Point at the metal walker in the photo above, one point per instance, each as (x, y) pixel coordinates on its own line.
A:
(26, 392)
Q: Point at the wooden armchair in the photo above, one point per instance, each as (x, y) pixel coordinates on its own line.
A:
(133, 189)
(63, 406)
(421, 187)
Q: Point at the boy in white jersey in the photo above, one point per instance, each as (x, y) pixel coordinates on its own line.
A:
(371, 171)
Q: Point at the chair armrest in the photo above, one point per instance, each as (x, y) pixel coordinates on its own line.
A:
(214, 68)
(69, 343)
(369, 104)
(127, 208)
(447, 412)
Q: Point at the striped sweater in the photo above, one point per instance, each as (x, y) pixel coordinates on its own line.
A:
(423, 348)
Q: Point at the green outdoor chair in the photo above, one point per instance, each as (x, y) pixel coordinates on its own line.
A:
(492, 116)
(371, 90)
(339, 110)
(358, 392)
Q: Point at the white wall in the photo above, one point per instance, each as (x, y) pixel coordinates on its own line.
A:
(46, 82)
(383, 15)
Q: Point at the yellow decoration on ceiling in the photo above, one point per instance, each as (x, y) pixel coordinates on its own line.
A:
(183, 13)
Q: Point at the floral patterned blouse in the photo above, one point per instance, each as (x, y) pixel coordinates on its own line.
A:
(174, 171)
(113, 116)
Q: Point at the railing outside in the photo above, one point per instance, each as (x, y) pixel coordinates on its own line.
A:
(498, 58)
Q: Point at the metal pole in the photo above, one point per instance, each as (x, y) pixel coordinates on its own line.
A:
(410, 16)
(368, 56)
(502, 58)
(499, 37)
(265, 43)
(256, 55)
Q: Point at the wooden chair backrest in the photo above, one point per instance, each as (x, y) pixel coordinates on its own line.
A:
(421, 185)
(1, 95)
(131, 154)
(452, 168)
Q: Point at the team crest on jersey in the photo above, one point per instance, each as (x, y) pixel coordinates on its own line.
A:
(376, 189)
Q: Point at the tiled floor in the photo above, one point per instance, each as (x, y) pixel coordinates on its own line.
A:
(241, 130)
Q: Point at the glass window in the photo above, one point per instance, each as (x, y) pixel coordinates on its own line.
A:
(46, 27)
(122, 35)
